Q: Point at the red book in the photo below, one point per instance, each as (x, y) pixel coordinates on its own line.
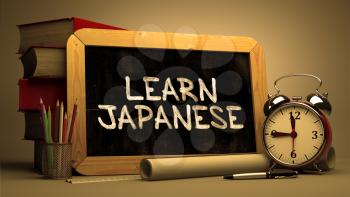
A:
(54, 33)
(49, 89)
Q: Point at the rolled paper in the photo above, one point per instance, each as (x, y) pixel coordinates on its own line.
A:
(201, 166)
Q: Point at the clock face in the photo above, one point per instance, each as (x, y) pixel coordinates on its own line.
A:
(294, 134)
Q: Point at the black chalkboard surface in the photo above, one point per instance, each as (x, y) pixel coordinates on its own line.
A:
(150, 94)
(106, 68)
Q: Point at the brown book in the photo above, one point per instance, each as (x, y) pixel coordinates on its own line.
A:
(33, 127)
(53, 33)
(44, 62)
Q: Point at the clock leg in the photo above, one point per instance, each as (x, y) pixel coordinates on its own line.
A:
(273, 165)
(318, 169)
(314, 169)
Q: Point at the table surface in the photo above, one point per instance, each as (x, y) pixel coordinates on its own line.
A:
(19, 179)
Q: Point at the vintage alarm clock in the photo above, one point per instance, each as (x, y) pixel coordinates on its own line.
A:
(296, 132)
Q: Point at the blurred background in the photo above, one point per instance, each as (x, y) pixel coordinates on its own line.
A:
(297, 36)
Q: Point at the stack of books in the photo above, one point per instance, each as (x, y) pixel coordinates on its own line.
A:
(43, 55)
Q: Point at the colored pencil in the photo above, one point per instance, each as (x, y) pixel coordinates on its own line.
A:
(65, 122)
(74, 115)
(68, 129)
(49, 152)
(49, 131)
(73, 123)
(43, 124)
(57, 122)
(44, 118)
(61, 123)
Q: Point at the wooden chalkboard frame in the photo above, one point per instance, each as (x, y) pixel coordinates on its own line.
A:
(103, 165)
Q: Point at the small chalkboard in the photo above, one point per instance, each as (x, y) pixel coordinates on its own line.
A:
(148, 94)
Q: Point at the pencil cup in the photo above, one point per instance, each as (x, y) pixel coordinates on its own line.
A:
(59, 160)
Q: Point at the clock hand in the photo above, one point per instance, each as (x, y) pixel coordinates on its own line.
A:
(293, 134)
(279, 134)
(292, 122)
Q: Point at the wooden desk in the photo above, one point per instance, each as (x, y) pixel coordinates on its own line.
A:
(18, 179)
